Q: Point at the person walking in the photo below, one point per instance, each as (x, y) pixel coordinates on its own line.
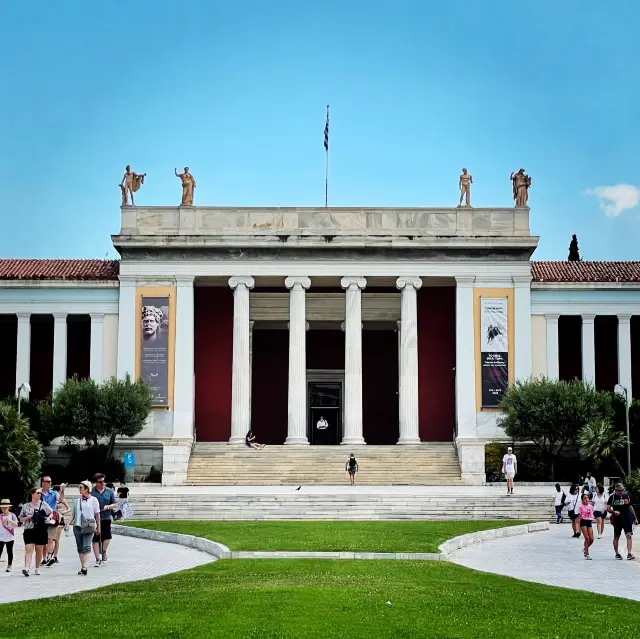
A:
(8, 524)
(86, 523)
(352, 468)
(623, 517)
(33, 517)
(600, 508)
(107, 501)
(124, 508)
(51, 497)
(64, 510)
(573, 502)
(585, 511)
(509, 468)
(559, 499)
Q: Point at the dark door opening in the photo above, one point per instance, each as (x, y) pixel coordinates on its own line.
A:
(325, 413)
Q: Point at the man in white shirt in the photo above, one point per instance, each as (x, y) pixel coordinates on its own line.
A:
(509, 469)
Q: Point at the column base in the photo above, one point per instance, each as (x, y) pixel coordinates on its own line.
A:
(403, 441)
(303, 441)
(235, 441)
(353, 441)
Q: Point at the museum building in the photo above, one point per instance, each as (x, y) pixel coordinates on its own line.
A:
(386, 326)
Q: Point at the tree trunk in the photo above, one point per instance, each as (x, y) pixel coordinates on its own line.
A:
(618, 466)
(112, 443)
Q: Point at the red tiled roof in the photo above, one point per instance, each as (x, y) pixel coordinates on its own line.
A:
(585, 271)
(59, 269)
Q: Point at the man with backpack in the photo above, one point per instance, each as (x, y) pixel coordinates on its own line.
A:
(352, 468)
(623, 517)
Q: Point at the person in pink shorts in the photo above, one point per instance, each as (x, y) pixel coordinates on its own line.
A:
(585, 511)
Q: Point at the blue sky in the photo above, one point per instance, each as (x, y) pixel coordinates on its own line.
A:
(237, 91)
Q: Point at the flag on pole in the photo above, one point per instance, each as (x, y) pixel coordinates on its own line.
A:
(326, 132)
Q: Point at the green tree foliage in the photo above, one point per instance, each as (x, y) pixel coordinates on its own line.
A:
(84, 410)
(20, 454)
(551, 414)
(599, 440)
(31, 410)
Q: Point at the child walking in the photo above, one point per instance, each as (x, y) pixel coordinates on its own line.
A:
(585, 510)
(8, 524)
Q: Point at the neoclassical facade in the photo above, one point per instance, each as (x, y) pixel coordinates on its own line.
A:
(319, 326)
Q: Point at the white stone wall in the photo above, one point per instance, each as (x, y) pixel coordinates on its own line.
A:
(539, 345)
(109, 346)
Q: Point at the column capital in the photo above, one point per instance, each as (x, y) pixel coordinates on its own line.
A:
(465, 281)
(343, 326)
(353, 283)
(96, 317)
(23, 317)
(408, 283)
(306, 326)
(588, 319)
(242, 280)
(184, 280)
(60, 316)
(522, 281)
(297, 282)
(624, 318)
(251, 323)
(552, 318)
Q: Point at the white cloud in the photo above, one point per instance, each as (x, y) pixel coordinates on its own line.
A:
(615, 199)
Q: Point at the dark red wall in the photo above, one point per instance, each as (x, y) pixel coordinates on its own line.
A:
(380, 387)
(270, 385)
(8, 345)
(635, 356)
(41, 358)
(325, 350)
(213, 341)
(606, 346)
(78, 346)
(570, 347)
(436, 362)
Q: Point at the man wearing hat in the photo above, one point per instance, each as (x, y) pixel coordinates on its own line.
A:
(8, 524)
(623, 518)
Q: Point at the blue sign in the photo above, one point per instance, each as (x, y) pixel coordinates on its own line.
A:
(129, 460)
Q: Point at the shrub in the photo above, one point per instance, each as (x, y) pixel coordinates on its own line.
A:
(154, 476)
(84, 463)
(551, 414)
(493, 454)
(20, 454)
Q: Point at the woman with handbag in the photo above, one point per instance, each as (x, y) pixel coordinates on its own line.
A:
(86, 523)
(33, 517)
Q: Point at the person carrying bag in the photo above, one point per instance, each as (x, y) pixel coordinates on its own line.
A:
(86, 523)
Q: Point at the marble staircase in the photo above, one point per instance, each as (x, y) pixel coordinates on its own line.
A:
(424, 464)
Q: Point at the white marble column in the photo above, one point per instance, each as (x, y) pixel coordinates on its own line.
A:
(409, 426)
(23, 351)
(624, 353)
(95, 356)
(353, 360)
(59, 350)
(553, 351)
(399, 331)
(127, 319)
(522, 317)
(240, 374)
(297, 410)
(184, 382)
(251, 323)
(465, 358)
(588, 349)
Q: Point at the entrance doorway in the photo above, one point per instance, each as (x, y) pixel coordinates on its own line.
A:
(324, 401)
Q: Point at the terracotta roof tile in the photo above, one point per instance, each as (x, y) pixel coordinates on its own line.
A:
(59, 269)
(585, 271)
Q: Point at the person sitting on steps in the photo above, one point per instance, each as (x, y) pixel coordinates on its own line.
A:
(251, 442)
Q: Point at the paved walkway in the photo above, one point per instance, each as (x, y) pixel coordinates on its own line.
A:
(129, 560)
(554, 558)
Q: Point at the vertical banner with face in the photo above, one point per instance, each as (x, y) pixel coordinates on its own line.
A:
(154, 353)
(494, 350)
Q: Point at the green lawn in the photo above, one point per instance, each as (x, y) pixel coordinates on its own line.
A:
(326, 536)
(326, 599)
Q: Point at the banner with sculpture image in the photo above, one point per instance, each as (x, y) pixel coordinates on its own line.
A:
(154, 351)
(494, 350)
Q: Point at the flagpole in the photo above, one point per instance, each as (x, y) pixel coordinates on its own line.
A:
(326, 169)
